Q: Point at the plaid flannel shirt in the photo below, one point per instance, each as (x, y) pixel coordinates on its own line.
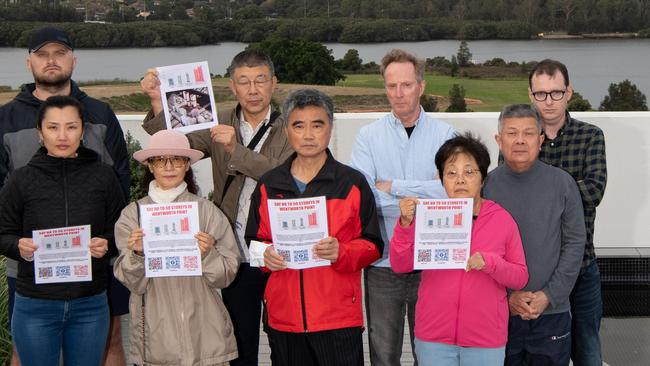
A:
(579, 149)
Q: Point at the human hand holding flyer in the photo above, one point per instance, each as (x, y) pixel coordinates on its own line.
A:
(296, 226)
(187, 96)
(170, 248)
(443, 233)
(62, 255)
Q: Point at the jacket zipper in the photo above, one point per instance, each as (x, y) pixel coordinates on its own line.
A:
(65, 201)
(302, 303)
(460, 291)
(65, 193)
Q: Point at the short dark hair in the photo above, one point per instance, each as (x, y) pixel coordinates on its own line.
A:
(60, 102)
(548, 67)
(302, 98)
(148, 177)
(250, 58)
(467, 144)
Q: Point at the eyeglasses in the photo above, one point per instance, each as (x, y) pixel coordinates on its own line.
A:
(469, 173)
(556, 95)
(259, 82)
(161, 161)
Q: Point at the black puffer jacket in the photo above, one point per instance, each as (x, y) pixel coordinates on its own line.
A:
(55, 192)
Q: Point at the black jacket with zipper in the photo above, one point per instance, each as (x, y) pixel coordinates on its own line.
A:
(53, 192)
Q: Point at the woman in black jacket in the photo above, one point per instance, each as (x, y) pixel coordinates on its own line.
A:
(64, 185)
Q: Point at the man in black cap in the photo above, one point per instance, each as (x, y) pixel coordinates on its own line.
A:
(51, 61)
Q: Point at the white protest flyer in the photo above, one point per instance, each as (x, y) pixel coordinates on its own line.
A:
(296, 226)
(443, 233)
(62, 255)
(170, 248)
(187, 96)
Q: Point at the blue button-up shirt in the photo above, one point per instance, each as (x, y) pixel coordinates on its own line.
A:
(384, 152)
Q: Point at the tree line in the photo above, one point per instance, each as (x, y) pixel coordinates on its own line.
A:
(194, 33)
(572, 16)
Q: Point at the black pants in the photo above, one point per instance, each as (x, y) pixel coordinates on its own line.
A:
(338, 347)
(243, 299)
(544, 341)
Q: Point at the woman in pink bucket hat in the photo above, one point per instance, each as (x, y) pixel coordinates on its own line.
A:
(177, 320)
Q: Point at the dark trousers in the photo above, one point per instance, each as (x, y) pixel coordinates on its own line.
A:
(243, 299)
(340, 347)
(545, 341)
(586, 309)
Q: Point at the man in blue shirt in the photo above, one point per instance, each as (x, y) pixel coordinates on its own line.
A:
(396, 154)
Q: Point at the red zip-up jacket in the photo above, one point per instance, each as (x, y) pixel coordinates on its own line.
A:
(322, 298)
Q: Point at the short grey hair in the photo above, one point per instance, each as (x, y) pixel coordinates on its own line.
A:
(520, 111)
(399, 55)
(302, 98)
(250, 58)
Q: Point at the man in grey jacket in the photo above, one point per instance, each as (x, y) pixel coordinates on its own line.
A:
(248, 141)
(546, 204)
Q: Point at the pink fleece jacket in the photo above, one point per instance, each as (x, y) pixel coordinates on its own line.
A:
(468, 309)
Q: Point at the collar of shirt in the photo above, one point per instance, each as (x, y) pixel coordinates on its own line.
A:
(246, 129)
(397, 123)
(562, 130)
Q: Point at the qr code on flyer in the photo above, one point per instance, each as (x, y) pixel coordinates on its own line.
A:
(190, 262)
(301, 255)
(173, 262)
(285, 254)
(155, 263)
(442, 255)
(62, 271)
(424, 255)
(81, 270)
(45, 272)
(459, 255)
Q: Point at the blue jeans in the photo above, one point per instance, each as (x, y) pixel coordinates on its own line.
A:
(441, 354)
(586, 309)
(42, 328)
(389, 296)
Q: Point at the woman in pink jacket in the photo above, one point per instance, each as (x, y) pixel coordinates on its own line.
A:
(461, 317)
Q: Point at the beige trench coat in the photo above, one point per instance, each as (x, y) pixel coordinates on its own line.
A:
(180, 320)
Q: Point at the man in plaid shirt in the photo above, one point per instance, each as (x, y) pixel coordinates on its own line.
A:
(578, 148)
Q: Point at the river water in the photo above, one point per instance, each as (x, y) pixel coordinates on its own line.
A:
(593, 64)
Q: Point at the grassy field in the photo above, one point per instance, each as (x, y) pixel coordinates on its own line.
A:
(493, 93)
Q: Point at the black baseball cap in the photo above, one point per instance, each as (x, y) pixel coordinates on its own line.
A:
(48, 34)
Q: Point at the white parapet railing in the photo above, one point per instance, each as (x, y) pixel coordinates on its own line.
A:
(623, 217)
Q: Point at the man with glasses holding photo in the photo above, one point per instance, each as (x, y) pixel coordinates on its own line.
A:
(579, 149)
(248, 141)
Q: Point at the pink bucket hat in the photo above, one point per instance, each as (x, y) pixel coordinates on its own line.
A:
(167, 142)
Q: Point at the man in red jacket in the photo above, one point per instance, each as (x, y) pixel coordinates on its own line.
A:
(315, 314)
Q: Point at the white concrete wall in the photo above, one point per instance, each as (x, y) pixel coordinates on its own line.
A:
(623, 217)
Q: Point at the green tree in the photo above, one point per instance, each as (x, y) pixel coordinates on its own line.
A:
(464, 56)
(350, 61)
(137, 169)
(429, 103)
(578, 103)
(248, 12)
(624, 96)
(457, 99)
(301, 61)
(454, 66)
